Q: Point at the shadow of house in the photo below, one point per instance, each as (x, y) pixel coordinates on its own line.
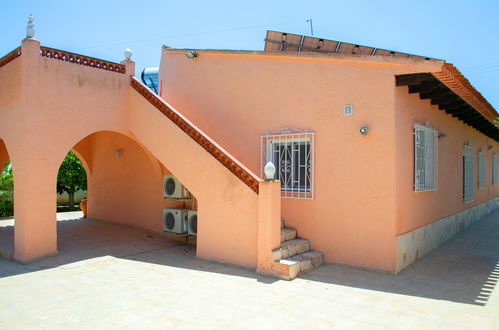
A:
(464, 270)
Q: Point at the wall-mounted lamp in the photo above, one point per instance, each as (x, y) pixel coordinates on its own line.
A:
(442, 136)
(118, 153)
(191, 54)
(490, 147)
(269, 171)
(363, 130)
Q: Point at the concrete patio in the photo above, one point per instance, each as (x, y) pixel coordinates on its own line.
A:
(110, 276)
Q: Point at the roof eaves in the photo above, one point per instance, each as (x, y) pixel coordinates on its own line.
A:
(458, 83)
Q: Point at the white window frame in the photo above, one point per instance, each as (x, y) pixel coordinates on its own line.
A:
(468, 173)
(425, 158)
(293, 166)
(494, 168)
(481, 169)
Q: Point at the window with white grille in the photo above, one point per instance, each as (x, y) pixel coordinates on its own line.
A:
(494, 168)
(292, 153)
(481, 169)
(468, 173)
(425, 158)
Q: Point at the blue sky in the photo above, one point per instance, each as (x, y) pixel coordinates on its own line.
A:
(464, 33)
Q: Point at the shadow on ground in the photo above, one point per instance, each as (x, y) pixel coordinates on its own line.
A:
(82, 240)
(465, 269)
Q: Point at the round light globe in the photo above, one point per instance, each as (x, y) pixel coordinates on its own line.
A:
(128, 54)
(269, 171)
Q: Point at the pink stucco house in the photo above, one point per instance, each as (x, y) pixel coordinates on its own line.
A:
(380, 156)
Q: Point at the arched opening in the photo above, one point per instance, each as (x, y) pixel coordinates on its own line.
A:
(6, 204)
(125, 187)
(71, 184)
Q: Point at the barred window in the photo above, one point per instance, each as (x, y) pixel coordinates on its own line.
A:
(425, 158)
(481, 169)
(292, 153)
(468, 173)
(494, 168)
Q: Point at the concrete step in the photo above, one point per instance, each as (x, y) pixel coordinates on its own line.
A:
(301, 263)
(287, 234)
(290, 248)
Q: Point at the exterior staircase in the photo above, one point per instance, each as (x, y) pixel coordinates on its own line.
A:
(295, 254)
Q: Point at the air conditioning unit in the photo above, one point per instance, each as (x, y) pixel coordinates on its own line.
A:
(172, 188)
(192, 222)
(175, 220)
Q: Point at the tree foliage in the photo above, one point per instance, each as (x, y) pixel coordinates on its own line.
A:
(6, 191)
(71, 177)
(6, 181)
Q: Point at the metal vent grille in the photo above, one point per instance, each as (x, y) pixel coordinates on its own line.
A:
(193, 223)
(348, 110)
(169, 221)
(170, 186)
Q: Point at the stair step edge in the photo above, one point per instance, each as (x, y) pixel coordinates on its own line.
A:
(294, 241)
(288, 234)
(291, 248)
(303, 262)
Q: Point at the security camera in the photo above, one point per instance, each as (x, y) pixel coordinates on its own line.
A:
(363, 130)
(191, 54)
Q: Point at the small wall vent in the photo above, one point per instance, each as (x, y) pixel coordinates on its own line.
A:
(348, 110)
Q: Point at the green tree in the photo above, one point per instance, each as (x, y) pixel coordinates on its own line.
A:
(71, 177)
(6, 191)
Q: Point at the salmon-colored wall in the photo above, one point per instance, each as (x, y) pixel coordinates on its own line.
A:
(10, 84)
(416, 209)
(128, 189)
(59, 107)
(238, 96)
(363, 185)
(227, 207)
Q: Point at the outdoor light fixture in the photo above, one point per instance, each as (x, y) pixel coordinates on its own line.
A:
(30, 28)
(128, 54)
(363, 130)
(118, 153)
(191, 54)
(269, 171)
(442, 136)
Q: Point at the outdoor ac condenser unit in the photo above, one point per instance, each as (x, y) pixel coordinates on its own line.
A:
(192, 222)
(175, 220)
(172, 188)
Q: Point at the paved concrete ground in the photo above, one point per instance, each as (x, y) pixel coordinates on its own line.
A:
(108, 276)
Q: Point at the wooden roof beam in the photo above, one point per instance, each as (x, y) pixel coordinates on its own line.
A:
(412, 79)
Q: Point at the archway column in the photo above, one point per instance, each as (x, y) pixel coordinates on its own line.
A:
(35, 231)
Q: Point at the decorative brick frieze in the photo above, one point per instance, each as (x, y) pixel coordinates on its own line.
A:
(10, 56)
(81, 59)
